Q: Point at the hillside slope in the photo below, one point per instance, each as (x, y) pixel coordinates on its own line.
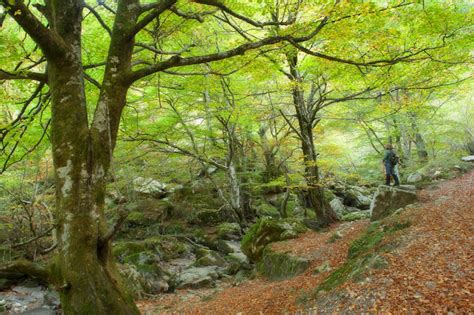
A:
(418, 260)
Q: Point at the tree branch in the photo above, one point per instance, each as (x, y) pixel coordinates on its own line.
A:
(159, 8)
(224, 8)
(99, 18)
(23, 75)
(49, 41)
(19, 268)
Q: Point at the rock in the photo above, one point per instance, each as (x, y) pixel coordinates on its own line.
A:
(278, 266)
(148, 211)
(415, 178)
(469, 158)
(40, 311)
(237, 262)
(267, 210)
(267, 230)
(225, 247)
(197, 277)
(352, 209)
(388, 199)
(209, 258)
(338, 207)
(353, 216)
(149, 187)
(354, 196)
(244, 275)
(324, 267)
(228, 231)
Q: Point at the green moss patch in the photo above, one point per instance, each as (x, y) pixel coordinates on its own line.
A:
(267, 230)
(364, 254)
(280, 266)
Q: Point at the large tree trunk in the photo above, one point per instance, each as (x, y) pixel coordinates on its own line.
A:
(88, 279)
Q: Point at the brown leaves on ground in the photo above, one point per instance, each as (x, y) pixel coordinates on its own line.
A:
(431, 270)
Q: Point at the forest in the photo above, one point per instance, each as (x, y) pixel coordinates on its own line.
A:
(236, 156)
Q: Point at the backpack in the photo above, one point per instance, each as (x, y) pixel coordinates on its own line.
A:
(394, 159)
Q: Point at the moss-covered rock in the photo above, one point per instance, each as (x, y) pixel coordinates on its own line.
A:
(237, 262)
(357, 215)
(278, 266)
(209, 258)
(197, 277)
(267, 230)
(228, 231)
(389, 199)
(165, 247)
(224, 247)
(267, 210)
(208, 216)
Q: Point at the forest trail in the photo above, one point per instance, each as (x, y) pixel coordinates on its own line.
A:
(431, 268)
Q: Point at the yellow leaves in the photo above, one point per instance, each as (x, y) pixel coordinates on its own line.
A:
(17, 12)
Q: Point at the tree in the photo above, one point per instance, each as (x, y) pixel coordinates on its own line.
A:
(82, 144)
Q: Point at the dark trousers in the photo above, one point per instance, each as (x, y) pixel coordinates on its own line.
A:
(390, 172)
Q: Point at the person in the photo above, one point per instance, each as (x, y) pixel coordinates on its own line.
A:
(390, 161)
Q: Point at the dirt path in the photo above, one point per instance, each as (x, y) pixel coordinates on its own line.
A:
(430, 270)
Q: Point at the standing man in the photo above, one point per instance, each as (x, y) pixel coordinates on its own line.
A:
(390, 160)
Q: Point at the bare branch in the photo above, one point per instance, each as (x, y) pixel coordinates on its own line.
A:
(159, 8)
(23, 75)
(224, 8)
(99, 18)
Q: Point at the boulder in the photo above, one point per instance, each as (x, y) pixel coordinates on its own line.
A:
(140, 279)
(149, 187)
(469, 158)
(267, 230)
(338, 207)
(267, 210)
(358, 197)
(197, 277)
(236, 262)
(279, 266)
(389, 199)
(415, 178)
(209, 258)
(228, 231)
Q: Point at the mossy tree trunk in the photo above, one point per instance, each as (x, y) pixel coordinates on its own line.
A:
(307, 116)
(82, 154)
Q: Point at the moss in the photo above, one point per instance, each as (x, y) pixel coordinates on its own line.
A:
(371, 238)
(208, 217)
(166, 247)
(396, 226)
(336, 236)
(209, 258)
(329, 195)
(136, 218)
(363, 254)
(358, 215)
(267, 230)
(279, 266)
(267, 210)
(227, 230)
